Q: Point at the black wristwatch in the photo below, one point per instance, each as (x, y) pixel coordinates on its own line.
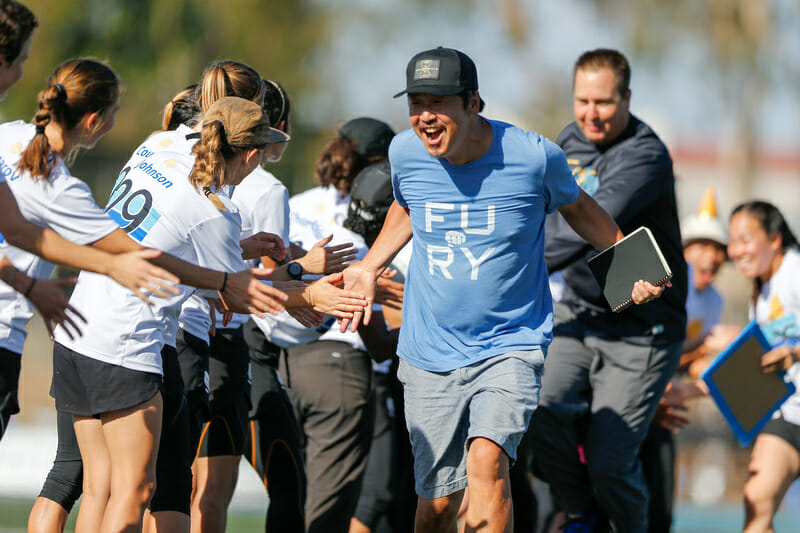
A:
(295, 270)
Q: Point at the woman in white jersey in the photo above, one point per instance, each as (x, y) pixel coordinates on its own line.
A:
(17, 23)
(114, 371)
(766, 251)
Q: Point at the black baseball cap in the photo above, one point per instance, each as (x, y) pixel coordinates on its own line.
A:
(372, 136)
(441, 71)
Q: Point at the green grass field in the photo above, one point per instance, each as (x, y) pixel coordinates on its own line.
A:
(14, 517)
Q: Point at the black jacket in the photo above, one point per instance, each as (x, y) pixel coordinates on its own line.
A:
(632, 180)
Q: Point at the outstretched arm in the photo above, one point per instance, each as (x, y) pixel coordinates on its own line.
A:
(131, 270)
(596, 226)
(362, 276)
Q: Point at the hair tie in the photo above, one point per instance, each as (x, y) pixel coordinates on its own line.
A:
(39, 130)
(61, 90)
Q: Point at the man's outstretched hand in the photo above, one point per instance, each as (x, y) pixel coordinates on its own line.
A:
(360, 279)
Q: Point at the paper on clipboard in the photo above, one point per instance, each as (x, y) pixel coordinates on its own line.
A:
(746, 396)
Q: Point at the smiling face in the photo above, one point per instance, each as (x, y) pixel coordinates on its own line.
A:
(442, 123)
(705, 257)
(600, 110)
(10, 73)
(755, 254)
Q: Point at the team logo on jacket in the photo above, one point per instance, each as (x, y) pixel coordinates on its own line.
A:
(586, 177)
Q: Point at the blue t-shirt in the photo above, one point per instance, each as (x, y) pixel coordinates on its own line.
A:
(477, 280)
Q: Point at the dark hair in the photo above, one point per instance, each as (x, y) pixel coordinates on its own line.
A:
(229, 78)
(772, 222)
(76, 88)
(606, 58)
(770, 219)
(466, 97)
(338, 164)
(276, 103)
(17, 23)
(182, 109)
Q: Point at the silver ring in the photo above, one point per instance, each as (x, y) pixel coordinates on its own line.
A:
(249, 308)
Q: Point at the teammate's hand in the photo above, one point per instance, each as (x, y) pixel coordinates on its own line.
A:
(47, 296)
(327, 298)
(644, 291)
(323, 259)
(134, 271)
(360, 279)
(244, 293)
(780, 358)
(670, 418)
(389, 292)
(261, 244)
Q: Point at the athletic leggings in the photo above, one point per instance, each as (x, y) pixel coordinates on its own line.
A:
(273, 445)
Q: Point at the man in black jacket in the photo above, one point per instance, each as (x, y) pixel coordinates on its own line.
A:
(605, 372)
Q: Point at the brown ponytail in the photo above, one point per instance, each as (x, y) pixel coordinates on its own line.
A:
(229, 78)
(182, 109)
(210, 152)
(76, 88)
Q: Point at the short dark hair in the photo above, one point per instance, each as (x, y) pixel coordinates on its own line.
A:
(466, 97)
(606, 58)
(17, 23)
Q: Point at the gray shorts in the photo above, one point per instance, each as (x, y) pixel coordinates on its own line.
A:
(493, 399)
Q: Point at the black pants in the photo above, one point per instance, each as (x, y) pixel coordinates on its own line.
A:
(388, 501)
(329, 386)
(657, 455)
(274, 446)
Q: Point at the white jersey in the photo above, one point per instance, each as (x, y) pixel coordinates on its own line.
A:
(703, 309)
(155, 203)
(263, 203)
(61, 203)
(315, 214)
(777, 312)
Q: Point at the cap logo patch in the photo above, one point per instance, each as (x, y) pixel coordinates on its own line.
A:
(426, 69)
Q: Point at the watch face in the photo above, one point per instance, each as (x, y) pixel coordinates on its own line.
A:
(295, 270)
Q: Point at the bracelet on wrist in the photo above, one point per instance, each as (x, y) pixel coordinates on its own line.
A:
(224, 282)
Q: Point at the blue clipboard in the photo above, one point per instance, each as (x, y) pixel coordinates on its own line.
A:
(746, 396)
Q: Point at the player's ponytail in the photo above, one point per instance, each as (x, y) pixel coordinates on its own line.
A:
(76, 88)
(36, 157)
(210, 153)
(229, 78)
(182, 109)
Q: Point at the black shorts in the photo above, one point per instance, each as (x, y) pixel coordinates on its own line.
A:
(785, 430)
(229, 382)
(193, 359)
(83, 386)
(175, 453)
(10, 364)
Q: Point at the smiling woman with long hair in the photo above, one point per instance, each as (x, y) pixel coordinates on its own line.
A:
(765, 251)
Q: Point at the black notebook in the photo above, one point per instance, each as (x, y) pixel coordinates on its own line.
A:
(621, 265)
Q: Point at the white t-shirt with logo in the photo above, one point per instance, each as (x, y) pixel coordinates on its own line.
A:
(155, 203)
(315, 214)
(777, 312)
(61, 203)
